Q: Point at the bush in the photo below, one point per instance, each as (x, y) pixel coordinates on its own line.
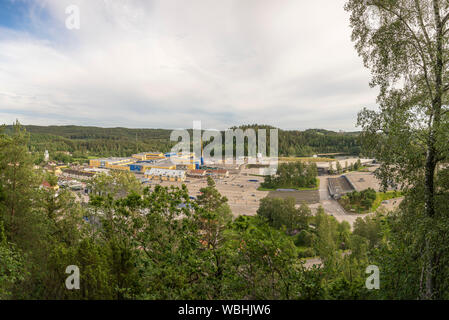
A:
(304, 239)
(306, 252)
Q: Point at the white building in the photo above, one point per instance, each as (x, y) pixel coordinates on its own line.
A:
(165, 174)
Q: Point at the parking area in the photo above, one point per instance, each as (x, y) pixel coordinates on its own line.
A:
(240, 189)
(307, 196)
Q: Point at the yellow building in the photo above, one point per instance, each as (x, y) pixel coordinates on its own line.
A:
(112, 163)
(148, 156)
(118, 167)
(94, 163)
(166, 164)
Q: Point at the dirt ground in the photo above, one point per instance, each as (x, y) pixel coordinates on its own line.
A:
(243, 196)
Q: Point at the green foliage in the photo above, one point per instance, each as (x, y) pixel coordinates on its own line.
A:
(293, 175)
(282, 213)
(370, 228)
(304, 238)
(117, 184)
(267, 265)
(86, 141)
(403, 43)
(11, 266)
(159, 244)
(359, 201)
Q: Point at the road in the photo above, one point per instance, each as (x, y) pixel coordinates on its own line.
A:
(332, 207)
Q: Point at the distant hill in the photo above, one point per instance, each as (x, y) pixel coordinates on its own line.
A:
(95, 141)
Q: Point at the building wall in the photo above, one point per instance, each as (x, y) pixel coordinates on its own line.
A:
(94, 163)
(167, 167)
(139, 156)
(118, 167)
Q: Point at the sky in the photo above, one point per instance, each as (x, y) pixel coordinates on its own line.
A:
(167, 63)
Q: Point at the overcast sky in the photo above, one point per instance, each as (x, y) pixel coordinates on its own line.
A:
(166, 63)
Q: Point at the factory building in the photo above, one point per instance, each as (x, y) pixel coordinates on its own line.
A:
(148, 156)
(165, 164)
(141, 162)
(186, 164)
(197, 173)
(112, 163)
(142, 166)
(165, 175)
(186, 161)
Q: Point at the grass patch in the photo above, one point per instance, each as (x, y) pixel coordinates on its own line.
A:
(382, 196)
(359, 208)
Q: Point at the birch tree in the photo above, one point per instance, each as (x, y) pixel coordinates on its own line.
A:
(405, 45)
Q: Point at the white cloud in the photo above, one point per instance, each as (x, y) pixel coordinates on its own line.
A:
(166, 63)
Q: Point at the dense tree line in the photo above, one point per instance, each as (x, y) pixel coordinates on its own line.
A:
(93, 141)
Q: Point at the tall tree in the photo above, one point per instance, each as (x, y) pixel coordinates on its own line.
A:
(18, 182)
(405, 44)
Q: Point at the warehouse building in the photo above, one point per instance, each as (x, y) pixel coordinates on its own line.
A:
(196, 173)
(165, 174)
(165, 164)
(112, 163)
(141, 162)
(142, 166)
(143, 156)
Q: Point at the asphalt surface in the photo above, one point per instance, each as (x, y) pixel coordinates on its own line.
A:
(332, 207)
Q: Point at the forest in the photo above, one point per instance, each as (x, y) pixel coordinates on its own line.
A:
(83, 142)
(136, 243)
(131, 242)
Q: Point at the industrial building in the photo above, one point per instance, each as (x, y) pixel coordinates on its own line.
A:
(142, 166)
(215, 173)
(112, 163)
(143, 156)
(186, 164)
(196, 173)
(165, 174)
(141, 162)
